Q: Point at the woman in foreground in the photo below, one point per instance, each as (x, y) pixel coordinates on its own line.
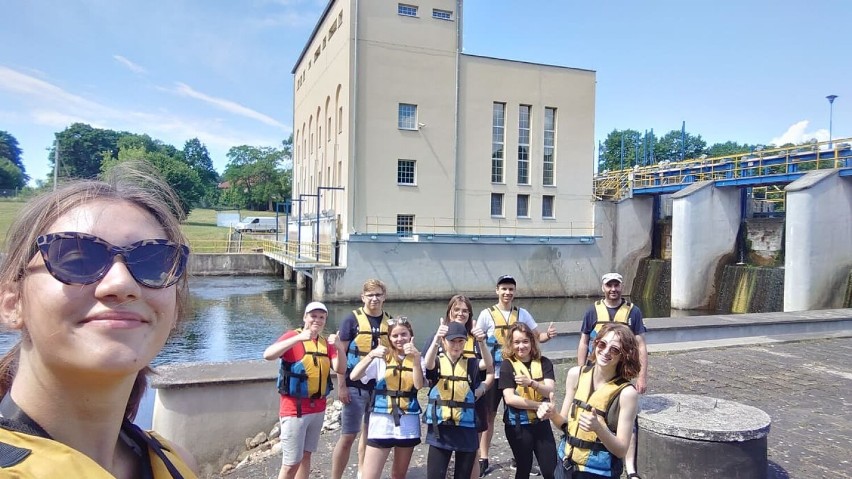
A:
(95, 280)
(599, 409)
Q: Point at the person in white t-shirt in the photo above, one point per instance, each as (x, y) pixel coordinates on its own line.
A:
(495, 321)
(394, 412)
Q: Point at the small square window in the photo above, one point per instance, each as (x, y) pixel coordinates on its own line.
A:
(405, 172)
(406, 10)
(496, 204)
(442, 14)
(405, 226)
(523, 206)
(407, 116)
(547, 206)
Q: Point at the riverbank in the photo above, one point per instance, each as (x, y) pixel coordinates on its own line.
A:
(801, 384)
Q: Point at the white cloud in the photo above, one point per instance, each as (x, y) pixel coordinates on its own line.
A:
(20, 83)
(798, 133)
(130, 65)
(227, 105)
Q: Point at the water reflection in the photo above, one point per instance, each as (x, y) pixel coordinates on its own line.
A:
(236, 317)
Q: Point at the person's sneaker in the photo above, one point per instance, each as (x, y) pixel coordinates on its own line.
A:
(483, 467)
(513, 465)
(535, 471)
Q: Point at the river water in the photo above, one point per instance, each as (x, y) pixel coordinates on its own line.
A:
(237, 317)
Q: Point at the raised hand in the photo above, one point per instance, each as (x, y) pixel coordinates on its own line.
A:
(478, 334)
(442, 329)
(332, 339)
(522, 380)
(590, 421)
(551, 331)
(378, 352)
(409, 349)
(306, 334)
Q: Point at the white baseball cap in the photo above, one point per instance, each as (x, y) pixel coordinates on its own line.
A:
(315, 306)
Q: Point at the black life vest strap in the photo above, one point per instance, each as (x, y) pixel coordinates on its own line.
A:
(588, 407)
(138, 435)
(19, 420)
(592, 446)
(451, 403)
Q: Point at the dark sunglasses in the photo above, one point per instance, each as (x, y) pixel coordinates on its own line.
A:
(613, 350)
(80, 258)
(398, 320)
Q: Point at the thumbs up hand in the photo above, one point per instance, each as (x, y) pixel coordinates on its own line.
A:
(545, 409)
(442, 329)
(409, 349)
(551, 331)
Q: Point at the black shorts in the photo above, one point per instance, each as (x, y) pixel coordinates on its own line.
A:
(388, 443)
(492, 398)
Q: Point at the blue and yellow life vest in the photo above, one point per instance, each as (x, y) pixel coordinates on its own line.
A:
(501, 328)
(517, 416)
(365, 341)
(470, 349)
(395, 393)
(452, 398)
(583, 447)
(308, 378)
(29, 456)
(622, 315)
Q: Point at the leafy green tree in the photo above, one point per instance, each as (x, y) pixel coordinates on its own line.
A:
(183, 179)
(256, 177)
(611, 152)
(677, 146)
(11, 152)
(197, 157)
(82, 149)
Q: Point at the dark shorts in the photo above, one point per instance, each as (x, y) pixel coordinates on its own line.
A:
(389, 443)
(480, 411)
(492, 398)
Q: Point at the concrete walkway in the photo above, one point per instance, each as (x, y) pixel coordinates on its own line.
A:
(804, 385)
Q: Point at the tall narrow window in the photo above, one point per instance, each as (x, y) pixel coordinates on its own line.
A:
(524, 145)
(405, 226)
(498, 137)
(547, 206)
(407, 116)
(405, 172)
(523, 206)
(496, 204)
(340, 120)
(549, 144)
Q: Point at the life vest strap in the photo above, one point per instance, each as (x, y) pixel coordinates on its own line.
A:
(592, 446)
(392, 393)
(588, 407)
(451, 403)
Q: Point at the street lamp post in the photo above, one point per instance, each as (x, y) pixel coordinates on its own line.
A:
(830, 99)
(319, 189)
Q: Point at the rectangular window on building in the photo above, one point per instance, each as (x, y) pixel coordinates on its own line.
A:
(442, 14)
(407, 116)
(496, 204)
(406, 10)
(340, 120)
(405, 226)
(549, 146)
(498, 139)
(405, 172)
(523, 206)
(547, 206)
(524, 145)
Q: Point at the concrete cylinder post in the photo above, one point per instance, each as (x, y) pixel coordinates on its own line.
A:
(698, 437)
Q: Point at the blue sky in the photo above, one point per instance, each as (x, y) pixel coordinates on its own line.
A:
(754, 71)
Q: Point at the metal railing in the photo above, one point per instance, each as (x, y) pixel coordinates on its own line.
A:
(766, 164)
(290, 252)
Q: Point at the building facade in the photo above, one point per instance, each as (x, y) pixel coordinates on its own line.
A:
(427, 140)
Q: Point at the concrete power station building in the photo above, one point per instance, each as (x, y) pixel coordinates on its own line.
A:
(454, 168)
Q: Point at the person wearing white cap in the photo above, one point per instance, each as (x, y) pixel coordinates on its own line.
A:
(304, 380)
(614, 308)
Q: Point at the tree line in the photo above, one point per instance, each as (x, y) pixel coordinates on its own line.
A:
(254, 177)
(627, 148)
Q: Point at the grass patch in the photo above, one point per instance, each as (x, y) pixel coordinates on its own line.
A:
(200, 227)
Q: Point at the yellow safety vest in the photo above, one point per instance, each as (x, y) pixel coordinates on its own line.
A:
(517, 416)
(395, 393)
(33, 457)
(451, 398)
(364, 341)
(308, 378)
(583, 447)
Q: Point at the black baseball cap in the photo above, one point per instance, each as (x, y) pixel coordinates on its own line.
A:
(455, 330)
(506, 278)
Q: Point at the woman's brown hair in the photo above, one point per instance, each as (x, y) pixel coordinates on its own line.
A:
(134, 182)
(460, 298)
(628, 364)
(508, 351)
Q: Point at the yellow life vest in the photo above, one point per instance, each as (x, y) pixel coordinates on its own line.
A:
(452, 398)
(28, 456)
(501, 328)
(395, 393)
(309, 377)
(583, 447)
(517, 416)
(365, 341)
(622, 315)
